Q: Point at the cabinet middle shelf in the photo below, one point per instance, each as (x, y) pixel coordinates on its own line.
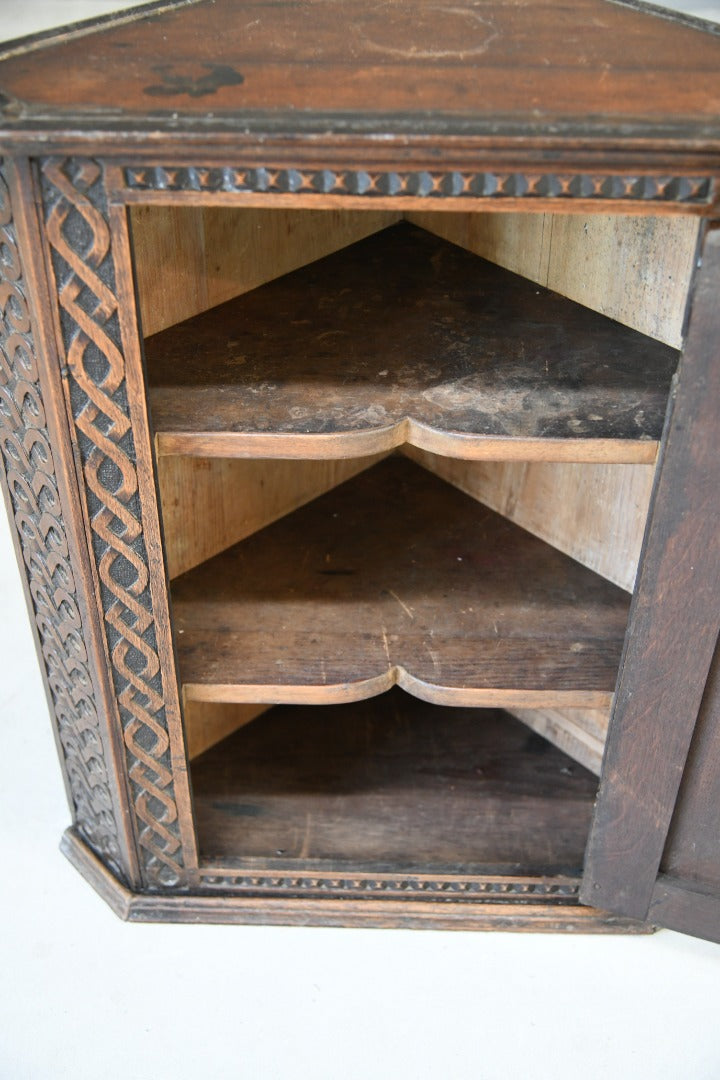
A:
(397, 578)
(406, 338)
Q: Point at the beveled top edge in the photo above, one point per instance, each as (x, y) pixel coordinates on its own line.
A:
(42, 39)
(410, 68)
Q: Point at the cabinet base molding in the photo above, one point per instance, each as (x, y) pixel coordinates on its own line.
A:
(516, 911)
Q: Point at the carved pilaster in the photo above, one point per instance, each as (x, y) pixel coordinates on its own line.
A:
(83, 262)
(34, 503)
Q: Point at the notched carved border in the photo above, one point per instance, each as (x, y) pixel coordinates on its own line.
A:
(81, 246)
(390, 886)
(422, 184)
(35, 503)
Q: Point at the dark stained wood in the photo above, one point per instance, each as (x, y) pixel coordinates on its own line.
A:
(404, 337)
(692, 851)
(500, 67)
(38, 480)
(505, 106)
(396, 784)
(672, 631)
(687, 907)
(395, 576)
(528, 909)
(687, 894)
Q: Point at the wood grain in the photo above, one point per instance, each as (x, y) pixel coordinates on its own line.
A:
(672, 631)
(634, 269)
(189, 259)
(610, 69)
(206, 725)
(231, 499)
(687, 907)
(692, 851)
(396, 577)
(594, 513)
(395, 783)
(580, 733)
(402, 337)
(524, 905)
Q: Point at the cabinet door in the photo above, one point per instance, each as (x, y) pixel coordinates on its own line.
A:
(654, 847)
(686, 895)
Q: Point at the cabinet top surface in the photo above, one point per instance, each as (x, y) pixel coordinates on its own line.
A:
(587, 70)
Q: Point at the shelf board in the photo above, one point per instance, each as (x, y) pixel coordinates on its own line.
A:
(406, 338)
(396, 784)
(395, 577)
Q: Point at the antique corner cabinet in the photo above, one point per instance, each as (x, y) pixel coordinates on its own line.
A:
(359, 414)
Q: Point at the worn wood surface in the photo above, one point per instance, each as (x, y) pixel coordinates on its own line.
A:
(692, 851)
(189, 259)
(395, 783)
(233, 498)
(39, 487)
(206, 725)
(611, 69)
(634, 269)
(524, 905)
(397, 577)
(594, 513)
(404, 338)
(624, 115)
(581, 733)
(672, 631)
(687, 907)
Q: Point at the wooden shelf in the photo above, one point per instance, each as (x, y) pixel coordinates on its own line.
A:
(395, 784)
(404, 337)
(395, 577)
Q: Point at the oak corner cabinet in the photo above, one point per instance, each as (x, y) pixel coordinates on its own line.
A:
(359, 387)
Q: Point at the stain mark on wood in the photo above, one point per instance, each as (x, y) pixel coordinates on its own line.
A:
(173, 82)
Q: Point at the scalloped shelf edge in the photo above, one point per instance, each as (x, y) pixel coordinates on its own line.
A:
(340, 693)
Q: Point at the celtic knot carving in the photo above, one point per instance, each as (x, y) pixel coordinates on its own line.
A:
(80, 239)
(35, 502)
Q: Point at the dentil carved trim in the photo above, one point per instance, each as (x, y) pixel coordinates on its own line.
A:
(398, 886)
(423, 184)
(35, 504)
(81, 245)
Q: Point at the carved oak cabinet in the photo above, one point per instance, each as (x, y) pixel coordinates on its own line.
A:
(359, 386)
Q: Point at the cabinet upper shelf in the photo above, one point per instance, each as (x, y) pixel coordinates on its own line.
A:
(396, 577)
(404, 337)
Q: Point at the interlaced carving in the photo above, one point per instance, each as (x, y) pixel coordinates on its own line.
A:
(79, 234)
(32, 485)
(421, 183)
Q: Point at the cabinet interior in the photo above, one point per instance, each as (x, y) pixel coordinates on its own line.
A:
(385, 777)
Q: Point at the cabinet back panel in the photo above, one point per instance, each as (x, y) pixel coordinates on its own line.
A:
(188, 259)
(208, 504)
(633, 269)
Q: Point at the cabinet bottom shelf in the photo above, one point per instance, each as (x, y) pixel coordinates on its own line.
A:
(393, 785)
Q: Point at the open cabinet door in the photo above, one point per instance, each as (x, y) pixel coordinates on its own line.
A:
(654, 846)
(687, 892)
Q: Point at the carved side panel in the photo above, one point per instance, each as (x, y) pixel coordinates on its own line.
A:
(83, 262)
(34, 503)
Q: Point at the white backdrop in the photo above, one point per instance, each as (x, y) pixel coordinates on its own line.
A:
(86, 997)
